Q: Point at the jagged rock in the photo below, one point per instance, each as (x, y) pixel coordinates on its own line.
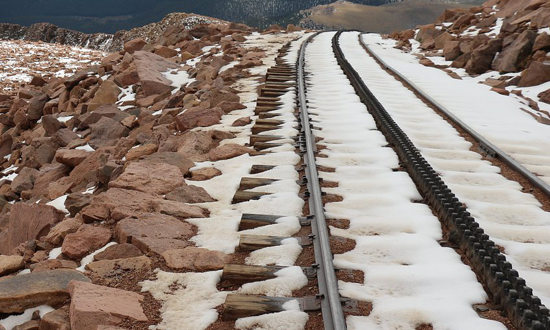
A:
(441, 40)
(537, 73)
(48, 175)
(26, 222)
(127, 77)
(52, 264)
(451, 50)
(106, 94)
(85, 240)
(10, 264)
(118, 204)
(29, 325)
(173, 158)
(140, 151)
(462, 21)
(204, 174)
(36, 105)
(106, 132)
(71, 157)
(227, 107)
(165, 52)
(37, 81)
(25, 180)
(190, 194)
(545, 96)
(56, 320)
(75, 79)
(542, 42)
(65, 136)
(195, 259)
(156, 233)
(118, 251)
(482, 57)
(115, 267)
(87, 171)
(134, 45)
(514, 57)
(62, 229)
(149, 68)
(228, 151)
(196, 145)
(149, 177)
(31, 290)
(110, 111)
(51, 125)
(198, 118)
(93, 305)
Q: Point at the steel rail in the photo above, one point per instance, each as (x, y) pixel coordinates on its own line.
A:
(485, 144)
(507, 288)
(331, 304)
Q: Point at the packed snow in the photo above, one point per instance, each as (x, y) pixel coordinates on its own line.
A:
(512, 218)
(409, 278)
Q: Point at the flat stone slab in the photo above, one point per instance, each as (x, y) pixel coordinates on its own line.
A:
(20, 292)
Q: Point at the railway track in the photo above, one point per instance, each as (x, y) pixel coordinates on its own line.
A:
(383, 153)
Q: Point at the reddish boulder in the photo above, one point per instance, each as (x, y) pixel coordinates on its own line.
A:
(190, 194)
(537, 73)
(118, 251)
(154, 232)
(228, 151)
(52, 264)
(27, 222)
(20, 292)
(542, 42)
(514, 57)
(198, 118)
(111, 269)
(106, 94)
(157, 178)
(93, 305)
(149, 68)
(243, 121)
(36, 105)
(106, 132)
(85, 240)
(71, 157)
(451, 50)
(173, 158)
(56, 320)
(165, 52)
(10, 264)
(195, 259)
(24, 180)
(140, 151)
(134, 45)
(545, 96)
(204, 174)
(110, 111)
(482, 57)
(62, 229)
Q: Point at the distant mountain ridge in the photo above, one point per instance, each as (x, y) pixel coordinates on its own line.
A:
(110, 16)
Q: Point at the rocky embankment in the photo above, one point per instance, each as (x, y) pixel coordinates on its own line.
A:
(101, 41)
(102, 157)
(509, 37)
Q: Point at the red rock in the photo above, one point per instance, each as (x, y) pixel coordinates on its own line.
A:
(106, 132)
(198, 118)
(205, 174)
(93, 305)
(228, 151)
(87, 171)
(501, 91)
(52, 264)
(29, 325)
(85, 240)
(451, 50)
(140, 151)
(110, 269)
(92, 117)
(462, 21)
(118, 204)
(60, 230)
(156, 233)
(190, 194)
(56, 320)
(441, 40)
(195, 259)
(127, 77)
(149, 177)
(71, 157)
(227, 107)
(196, 145)
(36, 106)
(165, 52)
(134, 45)
(48, 174)
(172, 158)
(118, 251)
(37, 81)
(106, 94)
(482, 57)
(545, 96)
(514, 57)
(542, 42)
(537, 73)
(20, 292)
(10, 264)
(75, 79)
(26, 222)
(149, 68)
(25, 180)
(427, 33)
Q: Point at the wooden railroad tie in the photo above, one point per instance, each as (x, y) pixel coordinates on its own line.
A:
(251, 221)
(256, 242)
(238, 306)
